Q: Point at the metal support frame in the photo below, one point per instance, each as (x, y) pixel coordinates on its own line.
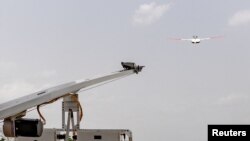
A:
(71, 105)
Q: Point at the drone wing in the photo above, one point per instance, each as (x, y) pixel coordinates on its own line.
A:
(208, 38)
(180, 39)
(186, 39)
(212, 37)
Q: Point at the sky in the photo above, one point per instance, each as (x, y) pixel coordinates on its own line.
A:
(182, 89)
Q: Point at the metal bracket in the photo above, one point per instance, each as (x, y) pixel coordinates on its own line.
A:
(70, 105)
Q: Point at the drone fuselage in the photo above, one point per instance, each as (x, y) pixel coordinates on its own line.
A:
(196, 41)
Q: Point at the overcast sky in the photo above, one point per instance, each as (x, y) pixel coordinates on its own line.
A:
(183, 88)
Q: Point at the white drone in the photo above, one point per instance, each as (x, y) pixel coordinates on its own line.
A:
(195, 39)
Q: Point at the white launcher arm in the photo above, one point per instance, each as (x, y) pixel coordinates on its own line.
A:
(15, 107)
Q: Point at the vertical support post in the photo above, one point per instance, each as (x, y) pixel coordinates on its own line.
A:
(63, 116)
(78, 119)
(68, 125)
